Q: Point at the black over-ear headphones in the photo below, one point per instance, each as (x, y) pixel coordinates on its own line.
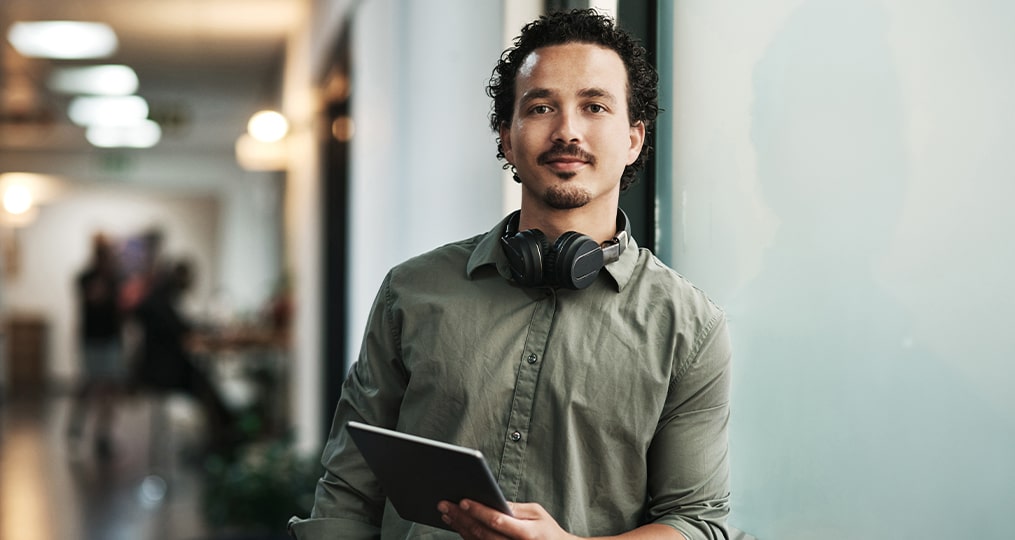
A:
(572, 262)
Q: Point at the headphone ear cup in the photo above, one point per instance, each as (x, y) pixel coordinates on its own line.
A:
(575, 261)
(525, 252)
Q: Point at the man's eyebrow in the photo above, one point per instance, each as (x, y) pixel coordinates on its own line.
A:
(543, 93)
(536, 93)
(596, 92)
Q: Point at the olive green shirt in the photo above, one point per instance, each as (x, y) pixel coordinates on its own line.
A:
(608, 405)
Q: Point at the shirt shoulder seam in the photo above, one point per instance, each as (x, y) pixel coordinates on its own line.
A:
(390, 316)
(703, 337)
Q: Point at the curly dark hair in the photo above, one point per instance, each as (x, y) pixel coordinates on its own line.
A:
(579, 26)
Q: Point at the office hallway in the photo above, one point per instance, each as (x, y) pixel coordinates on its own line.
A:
(52, 489)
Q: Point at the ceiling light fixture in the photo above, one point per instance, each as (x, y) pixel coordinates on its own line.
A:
(142, 134)
(65, 40)
(107, 110)
(268, 126)
(42, 188)
(17, 199)
(104, 80)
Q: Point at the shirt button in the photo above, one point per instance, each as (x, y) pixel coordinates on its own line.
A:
(516, 436)
(532, 358)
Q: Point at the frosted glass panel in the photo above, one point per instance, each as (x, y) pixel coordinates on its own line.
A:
(843, 177)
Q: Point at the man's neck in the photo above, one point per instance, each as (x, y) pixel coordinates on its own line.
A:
(598, 221)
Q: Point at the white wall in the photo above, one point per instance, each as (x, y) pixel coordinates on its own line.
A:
(842, 184)
(424, 170)
(249, 235)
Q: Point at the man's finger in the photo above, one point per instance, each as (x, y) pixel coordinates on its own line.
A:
(468, 518)
(525, 510)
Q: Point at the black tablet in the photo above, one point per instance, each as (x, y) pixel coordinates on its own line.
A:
(417, 473)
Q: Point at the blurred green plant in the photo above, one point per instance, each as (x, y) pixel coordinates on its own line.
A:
(258, 489)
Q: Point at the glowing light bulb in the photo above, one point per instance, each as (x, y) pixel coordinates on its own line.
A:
(268, 126)
(17, 199)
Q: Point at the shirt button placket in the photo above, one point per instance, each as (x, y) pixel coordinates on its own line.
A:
(526, 382)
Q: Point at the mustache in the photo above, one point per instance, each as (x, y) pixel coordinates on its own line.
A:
(565, 150)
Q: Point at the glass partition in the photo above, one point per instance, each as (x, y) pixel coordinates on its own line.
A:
(838, 176)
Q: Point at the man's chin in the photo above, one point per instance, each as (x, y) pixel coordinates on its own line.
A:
(566, 197)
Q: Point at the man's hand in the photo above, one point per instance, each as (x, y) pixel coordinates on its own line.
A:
(531, 521)
(475, 521)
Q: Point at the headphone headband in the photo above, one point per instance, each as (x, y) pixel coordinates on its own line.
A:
(614, 247)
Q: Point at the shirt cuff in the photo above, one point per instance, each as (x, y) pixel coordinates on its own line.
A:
(327, 528)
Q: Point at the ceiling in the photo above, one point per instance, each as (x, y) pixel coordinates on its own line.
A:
(203, 65)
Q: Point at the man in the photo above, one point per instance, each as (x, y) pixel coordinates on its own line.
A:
(600, 399)
(105, 370)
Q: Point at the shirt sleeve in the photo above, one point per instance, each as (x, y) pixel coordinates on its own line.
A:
(349, 503)
(688, 459)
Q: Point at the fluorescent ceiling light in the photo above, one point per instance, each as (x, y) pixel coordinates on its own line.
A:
(107, 110)
(107, 80)
(67, 40)
(144, 134)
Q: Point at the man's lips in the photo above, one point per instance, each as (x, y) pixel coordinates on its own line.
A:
(565, 163)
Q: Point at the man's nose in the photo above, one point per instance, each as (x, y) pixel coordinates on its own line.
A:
(567, 128)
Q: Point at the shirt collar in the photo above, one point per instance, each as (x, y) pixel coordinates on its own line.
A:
(489, 252)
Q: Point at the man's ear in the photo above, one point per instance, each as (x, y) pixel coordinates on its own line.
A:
(505, 142)
(637, 141)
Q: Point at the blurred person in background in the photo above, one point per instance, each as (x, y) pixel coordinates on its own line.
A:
(142, 256)
(165, 363)
(104, 367)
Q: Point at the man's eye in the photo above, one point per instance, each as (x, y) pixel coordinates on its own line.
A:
(596, 108)
(540, 109)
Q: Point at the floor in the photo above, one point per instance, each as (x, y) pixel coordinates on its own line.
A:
(54, 489)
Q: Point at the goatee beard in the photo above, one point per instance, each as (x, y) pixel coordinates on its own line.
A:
(565, 197)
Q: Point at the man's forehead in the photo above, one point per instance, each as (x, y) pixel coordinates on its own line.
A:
(575, 59)
(529, 63)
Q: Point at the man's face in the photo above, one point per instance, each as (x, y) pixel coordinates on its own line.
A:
(570, 138)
